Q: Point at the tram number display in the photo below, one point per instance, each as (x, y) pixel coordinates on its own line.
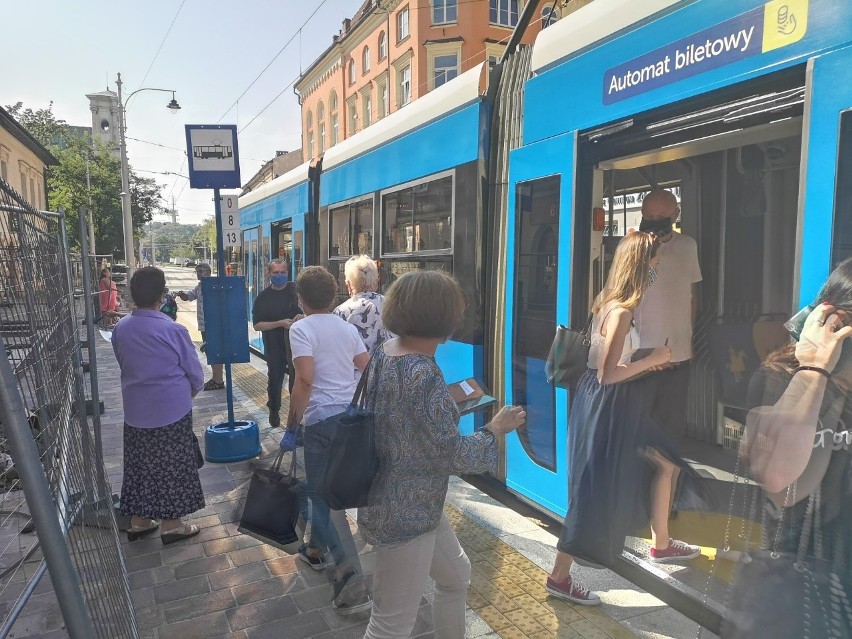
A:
(230, 212)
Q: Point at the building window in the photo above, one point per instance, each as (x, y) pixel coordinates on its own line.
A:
(365, 60)
(446, 67)
(33, 193)
(335, 119)
(549, 15)
(24, 186)
(402, 25)
(353, 116)
(352, 71)
(383, 45)
(444, 11)
(309, 136)
(384, 95)
(504, 12)
(404, 86)
(419, 218)
(368, 109)
(4, 170)
(310, 145)
(321, 137)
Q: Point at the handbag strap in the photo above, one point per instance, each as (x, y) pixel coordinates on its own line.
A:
(359, 399)
(279, 458)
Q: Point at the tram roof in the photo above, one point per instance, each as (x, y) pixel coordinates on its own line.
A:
(588, 25)
(455, 94)
(283, 182)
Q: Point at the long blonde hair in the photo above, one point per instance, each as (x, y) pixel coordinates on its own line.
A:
(628, 275)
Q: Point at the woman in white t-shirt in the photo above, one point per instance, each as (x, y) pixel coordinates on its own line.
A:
(328, 356)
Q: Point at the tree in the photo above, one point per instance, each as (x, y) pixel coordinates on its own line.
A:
(206, 235)
(66, 182)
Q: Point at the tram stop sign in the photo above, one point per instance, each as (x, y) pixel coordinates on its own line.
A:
(214, 159)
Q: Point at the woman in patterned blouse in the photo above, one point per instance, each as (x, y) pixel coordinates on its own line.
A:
(363, 309)
(419, 447)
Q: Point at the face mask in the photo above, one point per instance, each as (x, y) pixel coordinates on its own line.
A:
(279, 280)
(652, 275)
(659, 228)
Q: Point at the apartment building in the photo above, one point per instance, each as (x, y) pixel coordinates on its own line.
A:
(392, 52)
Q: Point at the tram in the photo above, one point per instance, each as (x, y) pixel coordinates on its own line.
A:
(513, 179)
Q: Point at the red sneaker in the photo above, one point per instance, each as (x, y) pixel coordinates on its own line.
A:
(677, 551)
(569, 590)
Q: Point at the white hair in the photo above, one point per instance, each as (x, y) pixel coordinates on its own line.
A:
(362, 274)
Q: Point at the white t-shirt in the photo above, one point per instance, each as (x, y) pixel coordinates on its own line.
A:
(666, 307)
(333, 343)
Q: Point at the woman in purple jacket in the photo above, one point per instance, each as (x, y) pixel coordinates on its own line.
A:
(160, 374)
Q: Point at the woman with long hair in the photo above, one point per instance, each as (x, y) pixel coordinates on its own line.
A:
(621, 464)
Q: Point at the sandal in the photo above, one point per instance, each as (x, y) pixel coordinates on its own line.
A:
(184, 531)
(214, 385)
(135, 532)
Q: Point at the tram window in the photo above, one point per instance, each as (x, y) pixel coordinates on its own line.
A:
(351, 229)
(841, 246)
(297, 252)
(419, 218)
(535, 293)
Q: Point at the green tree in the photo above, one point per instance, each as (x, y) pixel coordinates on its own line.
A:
(206, 235)
(66, 183)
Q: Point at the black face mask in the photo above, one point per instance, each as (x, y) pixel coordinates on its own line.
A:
(659, 227)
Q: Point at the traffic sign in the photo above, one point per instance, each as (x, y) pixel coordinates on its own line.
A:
(230, 213)
(214, 161)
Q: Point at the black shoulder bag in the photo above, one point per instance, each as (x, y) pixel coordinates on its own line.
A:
(348, 440)
(569, 355)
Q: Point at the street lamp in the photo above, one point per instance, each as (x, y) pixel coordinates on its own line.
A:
(126, 217)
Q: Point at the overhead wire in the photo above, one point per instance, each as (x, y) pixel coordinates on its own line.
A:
(274, 58)
(160, 48)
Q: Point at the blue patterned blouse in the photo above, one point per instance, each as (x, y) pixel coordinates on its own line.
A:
(419, 447)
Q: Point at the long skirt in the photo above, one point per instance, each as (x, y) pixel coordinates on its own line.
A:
(610, 439)
(160, 471)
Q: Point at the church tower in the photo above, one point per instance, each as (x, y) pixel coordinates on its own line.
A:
(104, 107)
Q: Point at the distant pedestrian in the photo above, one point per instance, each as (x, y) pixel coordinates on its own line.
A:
(108, 297)
(419, 447)
(327, 352)
(217, 382)
(363, 309)
(273, 313)
(160, 374)
(621, 462)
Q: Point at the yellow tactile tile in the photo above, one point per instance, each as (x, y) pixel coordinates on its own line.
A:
(524, 621)
(494, 618)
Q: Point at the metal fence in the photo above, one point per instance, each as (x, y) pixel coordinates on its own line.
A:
(56, 508)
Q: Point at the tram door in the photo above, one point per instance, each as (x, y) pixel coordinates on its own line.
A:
(252, 268)
(536, 456)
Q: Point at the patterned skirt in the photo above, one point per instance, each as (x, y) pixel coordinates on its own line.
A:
(160, 472)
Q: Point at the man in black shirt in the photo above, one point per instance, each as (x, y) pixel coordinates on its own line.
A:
(274, 311)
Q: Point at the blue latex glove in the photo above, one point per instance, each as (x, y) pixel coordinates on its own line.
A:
(288, 442)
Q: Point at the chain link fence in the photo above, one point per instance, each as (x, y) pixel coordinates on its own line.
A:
(56, 507)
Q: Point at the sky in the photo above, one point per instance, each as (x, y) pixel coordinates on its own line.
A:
(60, 50)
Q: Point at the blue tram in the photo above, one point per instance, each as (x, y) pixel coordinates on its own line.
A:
(521, 180)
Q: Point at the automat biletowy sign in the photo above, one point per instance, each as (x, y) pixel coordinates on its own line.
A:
(774, 25)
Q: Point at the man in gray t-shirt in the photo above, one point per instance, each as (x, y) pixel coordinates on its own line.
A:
(667, 311)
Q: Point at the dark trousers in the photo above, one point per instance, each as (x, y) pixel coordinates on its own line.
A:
(278, 364)
(668, 396)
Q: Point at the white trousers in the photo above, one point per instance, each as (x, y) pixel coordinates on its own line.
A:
(400, 578)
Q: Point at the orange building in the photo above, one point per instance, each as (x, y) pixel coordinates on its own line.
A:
(394, 51)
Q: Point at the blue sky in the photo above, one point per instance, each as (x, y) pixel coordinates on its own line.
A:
(60, 50)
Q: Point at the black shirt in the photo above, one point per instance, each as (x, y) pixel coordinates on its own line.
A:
(274, 305)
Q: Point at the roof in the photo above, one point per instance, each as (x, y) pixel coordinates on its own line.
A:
(367, 9)
(281, 183)
(23, 136)
(588, 25)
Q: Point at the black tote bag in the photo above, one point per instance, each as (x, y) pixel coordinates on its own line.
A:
(568, 357)
(348, 445)
(271, 513)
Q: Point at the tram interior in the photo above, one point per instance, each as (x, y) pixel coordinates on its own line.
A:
(739, 201)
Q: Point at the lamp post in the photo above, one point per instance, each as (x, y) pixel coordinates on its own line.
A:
(126, 217)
